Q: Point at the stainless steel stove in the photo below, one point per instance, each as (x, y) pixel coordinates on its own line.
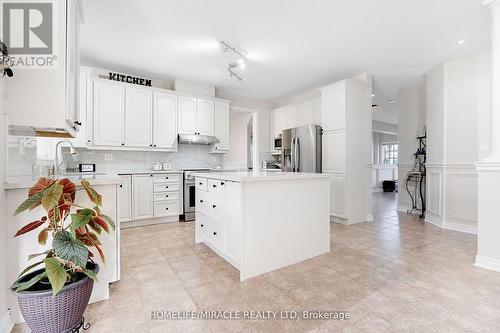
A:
(189, 193)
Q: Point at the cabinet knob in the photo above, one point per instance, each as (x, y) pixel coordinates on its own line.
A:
(88, 141)
(202, 225)
(166, 208)
(150, 175)
(214, 186)
(213, 206)
(79, 123)
(123, 144)
(201, 201)
(215, 234)
(151, 145)
(166, 177)
(166, 196)
(155, 145)
(121, 186)
(222, 183)
(166, 186)
(201, 183)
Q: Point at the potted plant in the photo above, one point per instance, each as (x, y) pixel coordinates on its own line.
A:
(53, 298)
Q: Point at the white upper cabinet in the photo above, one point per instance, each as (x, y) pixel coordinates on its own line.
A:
(187, 115)
(165, 120)
(292, 116)
(333, 105)
(305, 113)
(222, 126)
(205, 117)
(46, 99)
(138, 117)
(278, 121)
(108, 114)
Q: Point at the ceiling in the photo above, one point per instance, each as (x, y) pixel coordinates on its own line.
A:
(293, 45)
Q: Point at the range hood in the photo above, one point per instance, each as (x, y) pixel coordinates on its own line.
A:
(197, 139)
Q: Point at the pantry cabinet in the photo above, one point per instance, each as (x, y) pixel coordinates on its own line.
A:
(138, 117)
(108, 114)
(125, 199)
(142, 187)
(221, 127)
(165, 121)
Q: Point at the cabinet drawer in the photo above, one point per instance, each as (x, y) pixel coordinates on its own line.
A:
(201, 183)
(167, 178)
(163, 187)
(209, 205)
(166, 196)
(215, 235)
(168, 208)
(216, 186)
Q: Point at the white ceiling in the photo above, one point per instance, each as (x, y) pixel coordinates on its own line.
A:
(293, 45)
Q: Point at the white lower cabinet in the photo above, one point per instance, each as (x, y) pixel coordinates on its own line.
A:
(218, 217)
(125, 199)
(150, 196)
(142, 187)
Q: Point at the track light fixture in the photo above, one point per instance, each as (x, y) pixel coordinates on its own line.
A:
(241, 62)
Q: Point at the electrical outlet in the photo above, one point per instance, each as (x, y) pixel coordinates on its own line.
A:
(108, 157)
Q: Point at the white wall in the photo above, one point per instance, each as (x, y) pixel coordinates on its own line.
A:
(456, 104)
(237, 156)
(411, 104)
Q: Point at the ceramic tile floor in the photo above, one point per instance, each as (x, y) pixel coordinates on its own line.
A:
(395, 274)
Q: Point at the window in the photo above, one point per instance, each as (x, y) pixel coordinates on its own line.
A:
(390, 153)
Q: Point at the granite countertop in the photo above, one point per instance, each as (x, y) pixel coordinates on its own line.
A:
(255, 176)
(24, 182)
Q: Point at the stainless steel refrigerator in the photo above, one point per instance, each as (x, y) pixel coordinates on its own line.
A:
(301, 149)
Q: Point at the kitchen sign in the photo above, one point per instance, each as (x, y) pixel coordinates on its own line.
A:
(129, 79)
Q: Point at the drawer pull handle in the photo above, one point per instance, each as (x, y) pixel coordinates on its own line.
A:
(213, 206)
(201, 201)
(222, 183)
(215, 234)
(214, 186)
(121, 186)
(202, 225)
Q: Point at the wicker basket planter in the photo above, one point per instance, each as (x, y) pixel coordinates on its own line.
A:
(44, 313)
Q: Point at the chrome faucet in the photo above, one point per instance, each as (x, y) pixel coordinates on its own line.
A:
(57, 164)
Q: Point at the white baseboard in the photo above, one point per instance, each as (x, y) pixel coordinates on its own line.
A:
(487, 263)
(338, 219)
(146, 222)
(6, 323)
(451, 225)
(369, 217)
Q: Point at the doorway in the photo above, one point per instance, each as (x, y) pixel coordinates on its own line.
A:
(243, 139)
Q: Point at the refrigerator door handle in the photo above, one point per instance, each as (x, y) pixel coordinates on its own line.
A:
(297, 154)
(292, 157)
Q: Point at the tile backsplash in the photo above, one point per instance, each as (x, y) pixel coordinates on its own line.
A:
(25, 155)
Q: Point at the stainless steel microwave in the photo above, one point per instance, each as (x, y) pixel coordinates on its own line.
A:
(277, 141)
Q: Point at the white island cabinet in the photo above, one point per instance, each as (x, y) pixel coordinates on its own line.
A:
(262, 221)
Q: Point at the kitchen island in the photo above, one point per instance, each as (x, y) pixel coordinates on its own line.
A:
(262, 221)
